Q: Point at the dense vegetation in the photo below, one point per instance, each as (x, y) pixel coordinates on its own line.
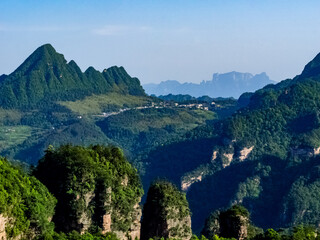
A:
(165, 213)
(281, 181)
(140, 131)
(52, 103)
(25, 203)
(89, 183)
(45, 76)
(49, 102)
(71, 172)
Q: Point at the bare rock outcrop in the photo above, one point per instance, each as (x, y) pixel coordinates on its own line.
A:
(3, 221)
(244, 153)
(187, 182)
(227, 156)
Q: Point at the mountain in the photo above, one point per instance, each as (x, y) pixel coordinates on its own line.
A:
(96, 188)
(267, 155)
(264, 153)
(47, 101)
(166, 213)
(231, 84)
(45, 76)
(264, 156)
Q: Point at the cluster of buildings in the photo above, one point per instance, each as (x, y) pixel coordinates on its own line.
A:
(167, 104)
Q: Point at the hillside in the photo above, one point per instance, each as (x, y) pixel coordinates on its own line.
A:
(267, 155)
(261, 152)
(231, 84)
(26, 205)
(49, 101)
(45, 76)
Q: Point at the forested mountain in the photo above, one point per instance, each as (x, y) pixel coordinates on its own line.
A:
(46, 76)
(262, 151)
(266, 156)
(231, 84)
(48, 101)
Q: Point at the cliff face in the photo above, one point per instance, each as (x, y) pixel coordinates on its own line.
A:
(95, 187)
(166, 213)
(235, 226)
(232, 223)
(220, 159)
(3, 221)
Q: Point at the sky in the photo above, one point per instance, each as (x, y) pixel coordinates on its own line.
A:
(158, 40)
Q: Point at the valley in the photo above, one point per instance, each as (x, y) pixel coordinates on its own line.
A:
(260, 151)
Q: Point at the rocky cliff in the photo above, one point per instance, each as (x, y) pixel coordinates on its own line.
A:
(95, 187)
(232, 223)
(165, 213)
(221, 158)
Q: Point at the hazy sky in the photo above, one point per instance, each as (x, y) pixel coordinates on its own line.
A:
(166, 39)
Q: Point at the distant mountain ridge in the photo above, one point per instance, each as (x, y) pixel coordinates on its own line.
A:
(231, 84)
(46, 76)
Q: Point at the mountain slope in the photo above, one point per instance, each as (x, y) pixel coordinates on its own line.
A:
(46, 76)
(277, 179)
(231, 84)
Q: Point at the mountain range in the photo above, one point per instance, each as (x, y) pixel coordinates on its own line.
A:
(45, 76)
(261, 151)
(231, 84)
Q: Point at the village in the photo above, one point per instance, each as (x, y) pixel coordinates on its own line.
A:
(205, 106)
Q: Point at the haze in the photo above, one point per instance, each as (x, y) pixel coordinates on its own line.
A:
(160, 40)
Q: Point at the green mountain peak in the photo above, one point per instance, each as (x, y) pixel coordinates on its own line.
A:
(312, 69)
(43, 57)
(45, 76)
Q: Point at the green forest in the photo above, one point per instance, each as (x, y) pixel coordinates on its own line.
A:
(80, 149)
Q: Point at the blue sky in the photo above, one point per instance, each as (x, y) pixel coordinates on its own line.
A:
(160, 40)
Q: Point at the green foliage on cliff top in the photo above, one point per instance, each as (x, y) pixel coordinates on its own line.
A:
(25, 202)
(168, 198)
(80, 178)
(165, 213)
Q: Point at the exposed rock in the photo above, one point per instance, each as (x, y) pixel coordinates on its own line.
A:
(135, 218)
(232, 223)
(166, 213)
(84, 219)
(236, 226)
(228, 159)
(106, 218)
(245, 152)
(179, 227)
(135, 228)
(227, 156)
(3, 221)
(186, 184)
(214, 156)
(97, 198)
(316, 151)
(106, 223)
